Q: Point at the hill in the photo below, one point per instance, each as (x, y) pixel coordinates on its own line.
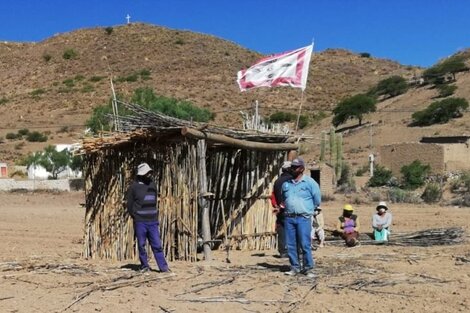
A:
(53, 85)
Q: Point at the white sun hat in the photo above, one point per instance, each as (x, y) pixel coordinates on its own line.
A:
(143, 169)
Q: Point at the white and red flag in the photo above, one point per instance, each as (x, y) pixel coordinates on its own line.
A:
(283, 69)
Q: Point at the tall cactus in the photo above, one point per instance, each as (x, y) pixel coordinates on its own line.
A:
(339, 155)
(332, 145)
(322, 146)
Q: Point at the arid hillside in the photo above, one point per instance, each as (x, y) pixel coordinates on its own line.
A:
(57, 82)
(52, 86)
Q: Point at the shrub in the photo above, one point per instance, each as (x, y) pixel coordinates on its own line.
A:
(46, 57)
(381, 177)
(446, 90)
(364, 54)
(440, 112)
(3, 101)
(36, 136)
(392, 86)
(69, 82)
(144, 74)
(397, 195)
(283, 117)
(451, 65)
(11, 136)
(414, 174)
(130, 78)
(109, 30)
(353, 107)
(79, 77)
(70, 54)
(432, 193)
(179, 41)
(461, 183)
(23, 132)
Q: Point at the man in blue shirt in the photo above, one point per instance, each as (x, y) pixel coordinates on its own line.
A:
(302, 196)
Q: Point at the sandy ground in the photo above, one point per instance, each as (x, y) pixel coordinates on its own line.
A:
(41, 269)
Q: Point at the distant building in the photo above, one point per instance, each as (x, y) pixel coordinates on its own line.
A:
(444, 154)
(3, 170)
(324, 175)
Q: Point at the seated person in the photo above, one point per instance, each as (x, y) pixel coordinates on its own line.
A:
(318, 224)
(348, 226)
(381, 222)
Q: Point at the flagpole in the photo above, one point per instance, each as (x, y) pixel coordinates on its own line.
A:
(300, 110)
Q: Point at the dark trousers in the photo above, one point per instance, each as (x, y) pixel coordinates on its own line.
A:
(144, 230)
(281, 237)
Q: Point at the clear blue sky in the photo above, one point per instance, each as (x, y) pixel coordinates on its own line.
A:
(415, 32)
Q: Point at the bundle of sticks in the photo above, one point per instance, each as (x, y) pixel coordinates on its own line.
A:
(422, 238)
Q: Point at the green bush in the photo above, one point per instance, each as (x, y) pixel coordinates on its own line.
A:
(364, 54)
(3, 101)
(144, 74)
(392, 86)
(381, 177)
(70, 54)
(446, 90)
(432, 193)
(353, 107)
(109, 30)
(69, 82)
(36, 136)
(23, 132)
(414, 174)
(130, 78)
(79, 77)
(11, 136)
(283, 117)
(440, 112)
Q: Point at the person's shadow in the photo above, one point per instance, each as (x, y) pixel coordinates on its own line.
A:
(275, 267)
(132, 267)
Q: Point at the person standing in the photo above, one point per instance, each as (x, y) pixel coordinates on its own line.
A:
(142, 207)
(381, 222)
(277, 200)
(302, 196)
(348, 226)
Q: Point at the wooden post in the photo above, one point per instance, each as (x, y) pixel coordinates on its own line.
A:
(203, 205)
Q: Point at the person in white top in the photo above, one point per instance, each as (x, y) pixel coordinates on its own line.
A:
(381, 222)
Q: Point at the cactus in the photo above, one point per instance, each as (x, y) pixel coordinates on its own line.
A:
(332, 145)
(339, 155)
(322, 146)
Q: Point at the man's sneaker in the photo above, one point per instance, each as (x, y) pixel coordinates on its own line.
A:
(309, 273)
(292, 272)
(145, 269)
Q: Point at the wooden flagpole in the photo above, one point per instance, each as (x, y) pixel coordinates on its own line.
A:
(300, 110)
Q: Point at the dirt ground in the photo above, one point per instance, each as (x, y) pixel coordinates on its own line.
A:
(41, 269)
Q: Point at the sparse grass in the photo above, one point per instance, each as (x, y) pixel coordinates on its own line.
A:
(65, 90)
(19, 145)
(63, 129)
(87, 88)
(95, 79)
(79, 77)
(37, 92)
(179, 42)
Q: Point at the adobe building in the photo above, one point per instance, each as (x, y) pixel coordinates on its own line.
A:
(444, 154)
(324, 175)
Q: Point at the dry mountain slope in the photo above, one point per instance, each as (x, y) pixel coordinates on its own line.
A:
(45, 90)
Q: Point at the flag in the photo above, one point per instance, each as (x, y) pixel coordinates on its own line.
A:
(284, 69)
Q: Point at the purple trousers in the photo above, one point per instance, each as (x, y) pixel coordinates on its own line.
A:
(144, 230)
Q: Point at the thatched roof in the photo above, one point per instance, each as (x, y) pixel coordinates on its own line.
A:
(145, 125)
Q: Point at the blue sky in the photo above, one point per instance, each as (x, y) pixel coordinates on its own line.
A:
(415, 32)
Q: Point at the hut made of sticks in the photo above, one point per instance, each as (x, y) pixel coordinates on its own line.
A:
(214, 185)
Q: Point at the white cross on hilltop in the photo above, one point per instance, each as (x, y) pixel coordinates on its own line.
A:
(128, 18)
